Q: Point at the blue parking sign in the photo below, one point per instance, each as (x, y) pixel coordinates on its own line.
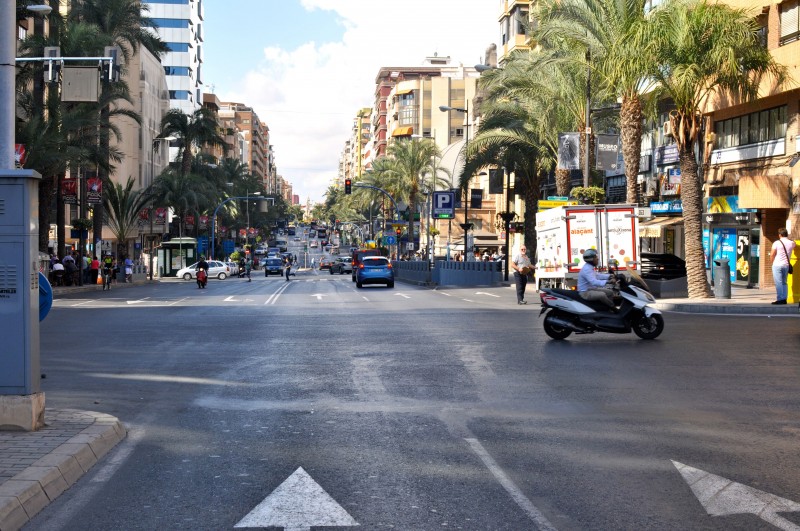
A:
(444, 205)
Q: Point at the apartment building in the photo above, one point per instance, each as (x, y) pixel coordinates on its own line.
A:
(514, 22)
(180, 25)
(752, 154)
(252, 137)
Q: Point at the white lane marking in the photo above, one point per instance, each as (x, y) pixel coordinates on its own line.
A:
(297, 504)
(402, 295)
(468, 300)
(366, 299)
(445, 294)
(138, 301)
(177, 301)
(721, 497)
(484, 293)
(276, 295)
(524, 503)
(318, 296)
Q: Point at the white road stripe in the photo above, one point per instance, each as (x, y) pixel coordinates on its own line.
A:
(276, 295)
(524, 503)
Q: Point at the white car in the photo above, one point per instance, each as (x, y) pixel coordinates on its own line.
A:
(215, 269)
(313, 244)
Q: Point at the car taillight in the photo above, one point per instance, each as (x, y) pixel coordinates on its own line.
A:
(361, 266)
(389, 266)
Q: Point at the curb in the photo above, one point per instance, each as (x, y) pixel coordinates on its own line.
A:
(728, 309)
(26, 494)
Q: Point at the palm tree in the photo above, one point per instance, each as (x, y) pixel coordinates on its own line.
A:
(192, 132)
(404, 169)
(605, 28)
(123, 205)
(702, 50)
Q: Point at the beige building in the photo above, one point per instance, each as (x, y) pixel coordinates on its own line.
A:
(752, 151)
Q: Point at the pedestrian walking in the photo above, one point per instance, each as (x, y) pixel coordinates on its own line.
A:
(522, 270)
(781, 255)
(95, 269)
(128, 269)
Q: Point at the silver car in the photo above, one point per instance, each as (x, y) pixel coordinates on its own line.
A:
(215, 269)
(342, 265)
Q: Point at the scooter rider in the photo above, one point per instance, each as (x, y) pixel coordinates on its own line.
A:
(202, 265)
(591, 284)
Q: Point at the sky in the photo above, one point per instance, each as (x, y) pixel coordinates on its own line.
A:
(307, 66)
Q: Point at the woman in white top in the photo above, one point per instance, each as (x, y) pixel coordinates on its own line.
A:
(781, 253)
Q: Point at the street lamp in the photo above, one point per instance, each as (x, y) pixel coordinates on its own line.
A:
(466, 226)
(156, 144)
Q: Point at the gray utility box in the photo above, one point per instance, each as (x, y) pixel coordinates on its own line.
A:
(19, 282)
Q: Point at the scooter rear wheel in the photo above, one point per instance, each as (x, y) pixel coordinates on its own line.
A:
(648, 327)
(553, 330)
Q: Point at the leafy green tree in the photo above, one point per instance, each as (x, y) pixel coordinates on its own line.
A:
(702, 50)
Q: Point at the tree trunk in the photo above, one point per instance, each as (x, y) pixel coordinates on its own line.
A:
(630, 118)
(61, 212)
(46, 192)
(98, 210)
(691, 198)
(562, 182)
(532, 191)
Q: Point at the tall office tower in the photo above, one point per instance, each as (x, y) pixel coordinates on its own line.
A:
(179, 23)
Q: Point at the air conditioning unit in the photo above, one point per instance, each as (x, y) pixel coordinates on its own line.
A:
(667, 128)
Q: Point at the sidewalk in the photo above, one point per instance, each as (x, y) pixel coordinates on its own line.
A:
(36, 467)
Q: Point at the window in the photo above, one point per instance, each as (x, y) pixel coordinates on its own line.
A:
(752, 128)
(177, 70)
(170, 23)
(459, 131)
(178, 46)
(179, 94)
(790, 22)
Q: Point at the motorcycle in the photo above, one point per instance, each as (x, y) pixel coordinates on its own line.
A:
(202, 279)
(568, 312)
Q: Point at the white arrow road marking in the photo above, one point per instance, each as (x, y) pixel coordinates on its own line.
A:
(720, 497)
(231, 299)
(402, 295)
(139, 301)
(484, 293)
(297, 504)
(523, 502)
(318, 296)
(366, 299)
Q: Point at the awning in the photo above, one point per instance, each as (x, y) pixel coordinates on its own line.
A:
(402, 92)
(403, 131)
(653, 228)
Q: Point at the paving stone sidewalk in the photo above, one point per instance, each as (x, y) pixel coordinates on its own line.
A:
(36, 467)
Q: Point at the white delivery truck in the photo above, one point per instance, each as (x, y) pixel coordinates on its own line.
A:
(563, 233)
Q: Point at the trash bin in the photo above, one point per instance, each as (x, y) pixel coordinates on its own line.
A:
(722, 279)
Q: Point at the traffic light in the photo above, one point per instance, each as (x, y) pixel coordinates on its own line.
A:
(399, 231)
(348, 186)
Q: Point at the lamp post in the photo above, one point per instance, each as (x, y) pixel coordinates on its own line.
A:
(156, 145)
(247, 232)
(466, 226)
(507, 216)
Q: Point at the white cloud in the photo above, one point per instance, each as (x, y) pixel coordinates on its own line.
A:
(309, 95)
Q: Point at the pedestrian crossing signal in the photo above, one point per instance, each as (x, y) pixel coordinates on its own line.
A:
(348, 186)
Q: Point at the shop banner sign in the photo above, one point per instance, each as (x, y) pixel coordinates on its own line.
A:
(666, 207)
(144, 216)
(69, 191)
(161, 216)
(569, 151)
(189, 221)
(19, 155)
(94, 191)
(667, 154)
(203, 222)
(607, 152)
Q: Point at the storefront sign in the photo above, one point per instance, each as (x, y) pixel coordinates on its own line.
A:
(666, 207)
(667, 154)
(725, 204)
(644, 163)
(667, 187)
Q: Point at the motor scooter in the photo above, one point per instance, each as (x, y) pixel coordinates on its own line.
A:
(202, 279)
(568, 312)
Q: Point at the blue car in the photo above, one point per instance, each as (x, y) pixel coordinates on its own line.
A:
(375, 270)
(273, 266)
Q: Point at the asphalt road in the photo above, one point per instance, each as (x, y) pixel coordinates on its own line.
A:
(416, 409)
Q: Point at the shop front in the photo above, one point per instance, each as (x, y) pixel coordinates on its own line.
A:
(734, 234)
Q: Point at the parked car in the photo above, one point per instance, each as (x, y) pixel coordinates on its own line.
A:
(342, 265)
(273, 266)
(358, 255)
(662, 266)
(313, 244)
(233, 267)
(325, 263)
(375, 270)
(215, 269)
